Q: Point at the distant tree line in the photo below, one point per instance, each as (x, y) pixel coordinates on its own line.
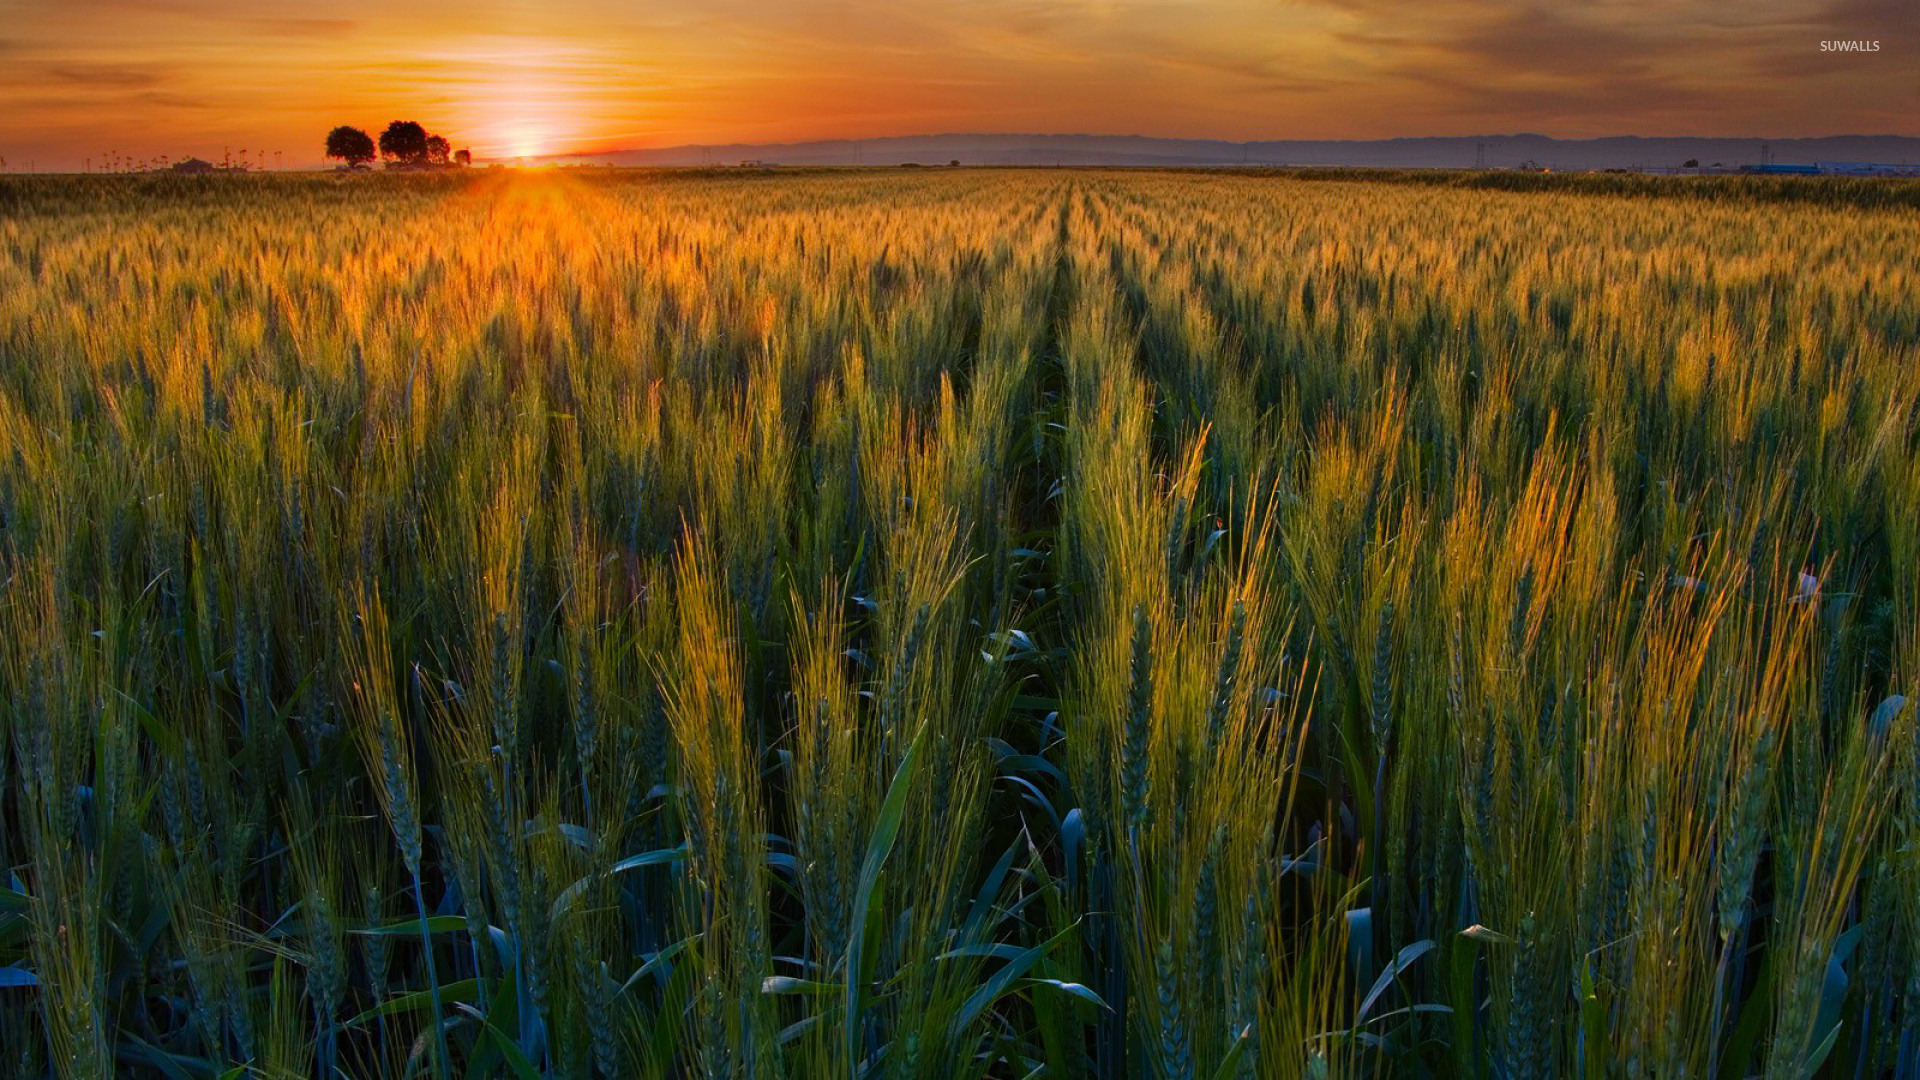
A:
(404, 143)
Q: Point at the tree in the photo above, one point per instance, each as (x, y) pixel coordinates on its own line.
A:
(1692, 163)
(438, 152)
(350, 144)
(404, 141)
(463, 157)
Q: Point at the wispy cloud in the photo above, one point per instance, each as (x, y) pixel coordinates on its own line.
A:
(301, 27)
(106, 76)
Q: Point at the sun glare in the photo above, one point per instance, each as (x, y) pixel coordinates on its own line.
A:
(523, 98)
(527, 137)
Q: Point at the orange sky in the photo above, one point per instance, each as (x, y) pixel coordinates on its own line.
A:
(80, 78)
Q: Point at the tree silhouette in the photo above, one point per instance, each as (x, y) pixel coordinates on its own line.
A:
(350, 144)
(437, 150)
(463, 157)
(405, 142)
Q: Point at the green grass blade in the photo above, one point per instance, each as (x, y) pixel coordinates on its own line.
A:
(885, 828)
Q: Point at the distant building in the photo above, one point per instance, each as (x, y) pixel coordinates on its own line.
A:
(1862, 168)
(193, 165)
(1832, 168)
(756, 163)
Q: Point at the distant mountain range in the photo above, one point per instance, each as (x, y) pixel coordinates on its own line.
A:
(1488, 151)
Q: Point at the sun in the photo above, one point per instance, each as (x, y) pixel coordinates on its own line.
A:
(526, 140)
(523, 97)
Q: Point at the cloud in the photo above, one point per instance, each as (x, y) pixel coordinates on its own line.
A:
(106, 76)
(93, 9)
(1543, 42)
(53, 103)
(1683, 67)
(1874, 16)
(306, 27)
(166, 100)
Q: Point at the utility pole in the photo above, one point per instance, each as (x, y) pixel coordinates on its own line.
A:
(1480, 156)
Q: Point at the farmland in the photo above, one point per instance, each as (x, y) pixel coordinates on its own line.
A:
(957, 624)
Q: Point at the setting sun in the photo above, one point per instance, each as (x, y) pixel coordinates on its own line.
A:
(527, 143)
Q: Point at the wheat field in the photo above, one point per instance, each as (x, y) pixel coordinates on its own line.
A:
(961, 623)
